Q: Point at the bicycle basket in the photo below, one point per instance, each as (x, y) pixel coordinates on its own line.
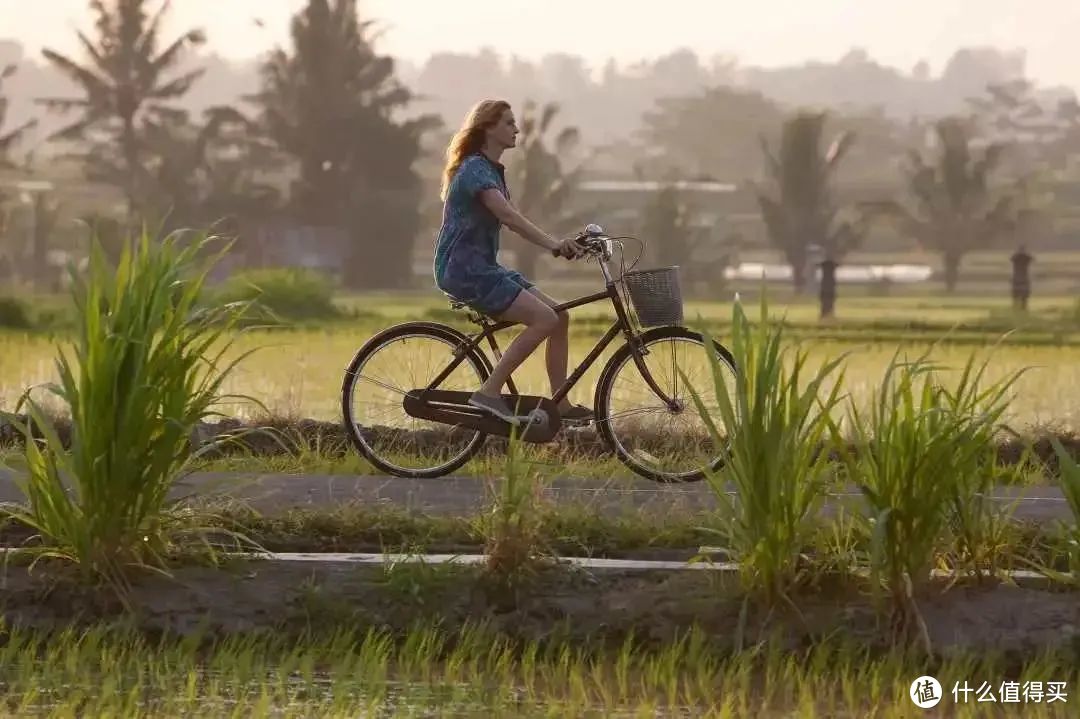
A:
(656, 296)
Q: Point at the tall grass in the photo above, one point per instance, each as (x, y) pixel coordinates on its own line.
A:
(147, 368)
(513, 525)
(779, 413)
(1070, 487)
(979, 530)
(919, 458)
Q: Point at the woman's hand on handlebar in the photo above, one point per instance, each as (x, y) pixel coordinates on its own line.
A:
(569, 248)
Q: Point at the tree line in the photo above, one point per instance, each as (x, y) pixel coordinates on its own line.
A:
(329, 139)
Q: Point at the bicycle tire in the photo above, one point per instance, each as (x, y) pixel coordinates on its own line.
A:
(603, 393)
(444, 333)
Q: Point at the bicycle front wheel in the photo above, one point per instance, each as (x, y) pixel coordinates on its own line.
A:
(391, 364)
(658, 441)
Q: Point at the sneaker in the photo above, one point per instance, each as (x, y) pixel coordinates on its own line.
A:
(577, 415)
(495, 406)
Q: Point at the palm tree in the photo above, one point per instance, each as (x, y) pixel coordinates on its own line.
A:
(9, 138)
(126, 79)
(800, 211)
(541, 183)
(331, 104)
(953, 208)
(210, 171)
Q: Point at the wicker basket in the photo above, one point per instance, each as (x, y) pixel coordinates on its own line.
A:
(656, 296)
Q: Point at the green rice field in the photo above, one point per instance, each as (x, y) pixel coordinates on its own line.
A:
(297, 372)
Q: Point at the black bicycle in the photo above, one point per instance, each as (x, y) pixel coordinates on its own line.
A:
(405, 393)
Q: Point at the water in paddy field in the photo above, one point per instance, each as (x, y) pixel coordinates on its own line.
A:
(277, 695)
(844, 273)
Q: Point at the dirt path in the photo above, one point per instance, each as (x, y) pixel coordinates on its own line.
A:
(466, 495)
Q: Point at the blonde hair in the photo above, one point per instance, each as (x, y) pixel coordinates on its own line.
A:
(470, 138)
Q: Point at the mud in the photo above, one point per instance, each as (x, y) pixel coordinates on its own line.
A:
(657, 606)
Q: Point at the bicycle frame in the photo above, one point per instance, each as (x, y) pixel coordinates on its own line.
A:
(622, 325)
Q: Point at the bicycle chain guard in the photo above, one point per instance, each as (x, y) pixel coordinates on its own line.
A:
(540, 417)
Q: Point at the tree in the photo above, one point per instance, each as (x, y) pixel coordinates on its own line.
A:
(705, 135)
(209, 172)
(800, 211)
(667, 224)
(126, 80)
(330, 103)
(541, 184)
(953, 208)
(10, 138)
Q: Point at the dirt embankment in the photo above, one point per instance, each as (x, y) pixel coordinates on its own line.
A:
(283, 436)
(282, 596)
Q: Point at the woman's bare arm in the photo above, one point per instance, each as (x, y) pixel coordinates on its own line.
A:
(509, 216)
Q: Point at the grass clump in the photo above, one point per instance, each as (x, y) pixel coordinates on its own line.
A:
(147, 368)
(923, 452)
(779, 419)
(1069, 533)
(14, 313)
(289, 294)
(513, 527)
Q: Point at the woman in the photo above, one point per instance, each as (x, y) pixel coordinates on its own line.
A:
(477, 204)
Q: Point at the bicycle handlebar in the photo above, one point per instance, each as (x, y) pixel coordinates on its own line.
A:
(591, 239)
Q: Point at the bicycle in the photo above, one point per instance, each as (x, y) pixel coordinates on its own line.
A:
(441, 430)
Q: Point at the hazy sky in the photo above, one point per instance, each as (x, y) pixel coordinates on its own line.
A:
(757, 32)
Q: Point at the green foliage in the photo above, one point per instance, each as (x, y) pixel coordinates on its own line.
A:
(14, 313)
(542, 182)
(776, 421)
(954, 205)
(667, 224)
(290, 293)
(147, 369)
(801, 210)
(513, 526)
(442, 667)
(12, 136)
(124, 86)
(921, 451)
(706, 134)
(329, 103)
(1070, 487)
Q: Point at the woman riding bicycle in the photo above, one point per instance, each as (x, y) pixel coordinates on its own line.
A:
(477, 205)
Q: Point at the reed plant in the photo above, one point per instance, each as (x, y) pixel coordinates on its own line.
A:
(146, 368)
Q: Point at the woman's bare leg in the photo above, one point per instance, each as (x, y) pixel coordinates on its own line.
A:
(558, 349)
(539, 320)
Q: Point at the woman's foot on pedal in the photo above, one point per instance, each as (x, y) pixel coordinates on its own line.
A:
(576, 414)
(495, 406)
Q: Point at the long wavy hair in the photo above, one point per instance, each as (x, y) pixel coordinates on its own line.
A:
(470, 138)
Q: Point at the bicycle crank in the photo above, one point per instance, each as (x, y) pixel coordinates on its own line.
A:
(539, 419)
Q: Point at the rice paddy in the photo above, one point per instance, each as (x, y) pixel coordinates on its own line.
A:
(107, 672)
(418, 642)
(298, 372)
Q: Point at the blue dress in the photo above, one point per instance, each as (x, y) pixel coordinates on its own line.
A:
(468, 242)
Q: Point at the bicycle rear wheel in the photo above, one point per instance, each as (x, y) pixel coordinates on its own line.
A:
(397, 360)
(652, 439)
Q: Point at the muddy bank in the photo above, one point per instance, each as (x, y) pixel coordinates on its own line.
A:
(577, 605)
(286, 436)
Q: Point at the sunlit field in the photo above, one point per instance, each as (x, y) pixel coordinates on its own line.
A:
(298, 372)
